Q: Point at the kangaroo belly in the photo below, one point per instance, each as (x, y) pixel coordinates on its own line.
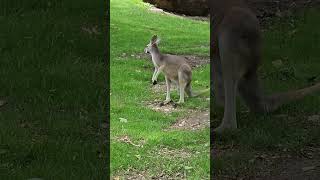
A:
(171, 73)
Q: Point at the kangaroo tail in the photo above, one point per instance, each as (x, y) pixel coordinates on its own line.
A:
(274, 101)
(190, 93)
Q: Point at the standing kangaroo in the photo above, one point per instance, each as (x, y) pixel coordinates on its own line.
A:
(236, 51)
(175, 69)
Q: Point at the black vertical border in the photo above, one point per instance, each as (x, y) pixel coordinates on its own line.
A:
(107, 56)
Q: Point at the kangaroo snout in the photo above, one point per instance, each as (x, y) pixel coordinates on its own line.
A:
(146, 51)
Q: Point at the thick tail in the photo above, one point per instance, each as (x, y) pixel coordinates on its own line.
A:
(190, 93)
(274, 101)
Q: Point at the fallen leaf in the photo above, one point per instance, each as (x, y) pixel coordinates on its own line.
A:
(138, 156)
(188, 167)
(309, 168)
(123, 120)
(92, 30)
(293, 32)
(277, 63)
(95, 31)
(314, 118)
(86, 30)
(182, 123)
(278, 13)
(126, 139)
(2, 102)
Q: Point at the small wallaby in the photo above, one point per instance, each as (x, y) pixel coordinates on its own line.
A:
(175, 68)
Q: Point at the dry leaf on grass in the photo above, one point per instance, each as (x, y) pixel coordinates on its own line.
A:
(123, 120)
(277, 63)
(91, 30)
(2, 102)
(116, 178)
(314, 118)
(309, 168)
(127, 140)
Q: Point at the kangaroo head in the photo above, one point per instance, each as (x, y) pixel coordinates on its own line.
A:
(153, 45)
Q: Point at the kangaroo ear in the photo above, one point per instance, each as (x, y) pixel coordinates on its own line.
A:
(157, 41)
(154, 38)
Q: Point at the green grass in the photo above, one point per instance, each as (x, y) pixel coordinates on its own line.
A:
(53, 76)
(296, 42)
(132, 26)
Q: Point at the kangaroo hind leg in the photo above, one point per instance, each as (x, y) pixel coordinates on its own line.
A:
(168, 83)
(182, 86)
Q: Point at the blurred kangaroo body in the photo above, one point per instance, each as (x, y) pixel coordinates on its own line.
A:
(175, 68)
(236, 51)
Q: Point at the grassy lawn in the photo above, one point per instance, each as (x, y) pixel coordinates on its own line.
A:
(139, 142)
(53, 77)
(290, 61)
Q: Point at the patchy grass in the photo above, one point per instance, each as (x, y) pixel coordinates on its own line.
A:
(149, 150)
(290, 61)
(53, 78)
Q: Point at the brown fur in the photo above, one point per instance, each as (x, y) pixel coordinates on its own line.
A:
(236, 55)
(175, 68)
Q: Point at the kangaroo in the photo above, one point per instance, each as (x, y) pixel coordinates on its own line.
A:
(236, 55)
(175, 68)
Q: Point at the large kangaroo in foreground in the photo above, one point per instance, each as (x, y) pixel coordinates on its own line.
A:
(236, 51)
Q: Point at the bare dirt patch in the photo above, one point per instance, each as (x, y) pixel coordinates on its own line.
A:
(294, 167)
(275, 165)
(172, 153)
(197, 61)
(157, 105)
(195, 121)
(132, 174)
